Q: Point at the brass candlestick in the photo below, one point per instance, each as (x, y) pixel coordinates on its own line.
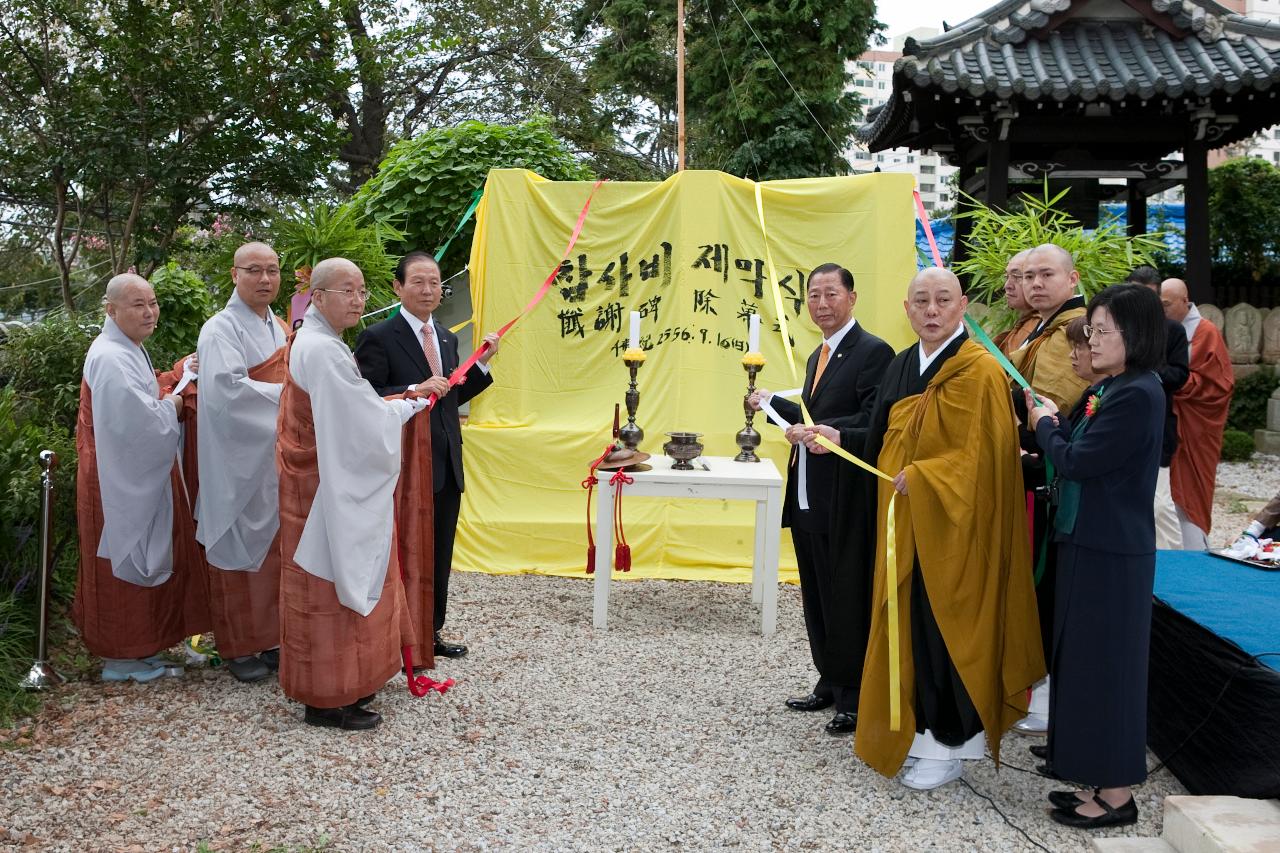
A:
(747, 438)
(631, 434)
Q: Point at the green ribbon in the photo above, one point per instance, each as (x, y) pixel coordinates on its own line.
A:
(983, 338)
(471, 208)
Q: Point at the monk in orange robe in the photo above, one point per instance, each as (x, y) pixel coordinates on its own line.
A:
(141, 587)
(343, 614)
(1201, 406)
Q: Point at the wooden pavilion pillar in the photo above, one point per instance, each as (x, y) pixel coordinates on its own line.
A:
(1136, 210)
(1196, 198)
(997, 189)
(960, 246)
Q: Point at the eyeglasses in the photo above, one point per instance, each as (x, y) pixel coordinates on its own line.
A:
(357, 295)
(255, 271)
(1090, 331)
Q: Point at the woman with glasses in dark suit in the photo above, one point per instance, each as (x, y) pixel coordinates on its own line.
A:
(1106, 458)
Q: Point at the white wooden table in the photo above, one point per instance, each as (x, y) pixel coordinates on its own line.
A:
(725, 479)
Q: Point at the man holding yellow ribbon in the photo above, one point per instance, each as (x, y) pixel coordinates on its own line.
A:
(967, 633)
(840, 386)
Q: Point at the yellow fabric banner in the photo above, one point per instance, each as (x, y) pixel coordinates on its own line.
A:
(689, 255)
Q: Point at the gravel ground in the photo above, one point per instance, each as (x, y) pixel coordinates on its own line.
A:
(666, 732)
(1243, 489)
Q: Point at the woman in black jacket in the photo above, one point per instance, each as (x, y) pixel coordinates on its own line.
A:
(1106, 458)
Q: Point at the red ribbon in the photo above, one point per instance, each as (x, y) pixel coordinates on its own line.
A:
(622, 552)
(460, 374)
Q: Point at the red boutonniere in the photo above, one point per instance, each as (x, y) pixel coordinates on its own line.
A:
(1092, 405)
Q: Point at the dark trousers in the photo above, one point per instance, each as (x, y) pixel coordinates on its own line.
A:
(447, 502)
(817, 596)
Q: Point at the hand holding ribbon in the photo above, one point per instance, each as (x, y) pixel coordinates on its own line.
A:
(489, 345)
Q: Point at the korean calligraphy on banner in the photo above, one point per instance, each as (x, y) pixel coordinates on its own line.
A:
(688, 254)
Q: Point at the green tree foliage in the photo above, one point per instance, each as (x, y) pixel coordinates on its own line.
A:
(743, 115)
(1248, 409)
(430, 63)
(305, 237)
(1103, 256)
(185, 303)
(426, 183)
(127, 118)
(1244, 206)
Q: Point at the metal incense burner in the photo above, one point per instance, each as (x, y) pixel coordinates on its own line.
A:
(683, 447)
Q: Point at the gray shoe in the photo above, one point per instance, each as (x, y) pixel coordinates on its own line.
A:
(248, 668)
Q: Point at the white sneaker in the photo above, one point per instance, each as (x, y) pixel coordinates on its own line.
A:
(929, 773)
(1032, 724)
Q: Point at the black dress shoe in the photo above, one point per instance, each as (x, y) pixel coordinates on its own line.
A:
(843, 723)
(364, 701)
(351, 717)
(271, 657)
(449, 650)
(1065, 799)
(1111, 816)
(812, 702)
(1040, 751)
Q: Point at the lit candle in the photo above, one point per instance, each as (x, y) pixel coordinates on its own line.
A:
(635, 330)
(753, 334)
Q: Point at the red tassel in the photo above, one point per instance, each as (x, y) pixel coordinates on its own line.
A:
(622, 557)
(591, 559)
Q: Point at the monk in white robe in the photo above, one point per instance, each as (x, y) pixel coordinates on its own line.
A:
(141, 584)
(237, 511)
(343, 616)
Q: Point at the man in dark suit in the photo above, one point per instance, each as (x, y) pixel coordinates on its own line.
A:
(411, 350)
(839, 389)
(1173, 375)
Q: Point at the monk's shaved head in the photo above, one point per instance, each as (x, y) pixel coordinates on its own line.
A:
(247, 253)
(1057, 252)
(255, 272)
(931, 277)
(1014, 272)
(337, 288)
(1174, 299)
(131, 304)
(1049, 278)
(935, 306)
(330, 269)
(118, 289)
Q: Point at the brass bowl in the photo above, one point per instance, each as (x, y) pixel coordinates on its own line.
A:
(683, 448)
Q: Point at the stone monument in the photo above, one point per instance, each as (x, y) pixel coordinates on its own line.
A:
(1271, 338)
(1243, 332)
(1213, 314)
(1268, 440)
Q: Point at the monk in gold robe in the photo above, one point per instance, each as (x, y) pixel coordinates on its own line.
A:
(1051, 285)
(1016, 298)
(968, 636)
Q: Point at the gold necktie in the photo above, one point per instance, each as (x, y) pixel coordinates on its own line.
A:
(822, 365)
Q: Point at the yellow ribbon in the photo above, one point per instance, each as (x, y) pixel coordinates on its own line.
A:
(890, 572)
(778, 307)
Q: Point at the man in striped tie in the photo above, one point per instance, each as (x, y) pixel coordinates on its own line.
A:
(410, 350)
